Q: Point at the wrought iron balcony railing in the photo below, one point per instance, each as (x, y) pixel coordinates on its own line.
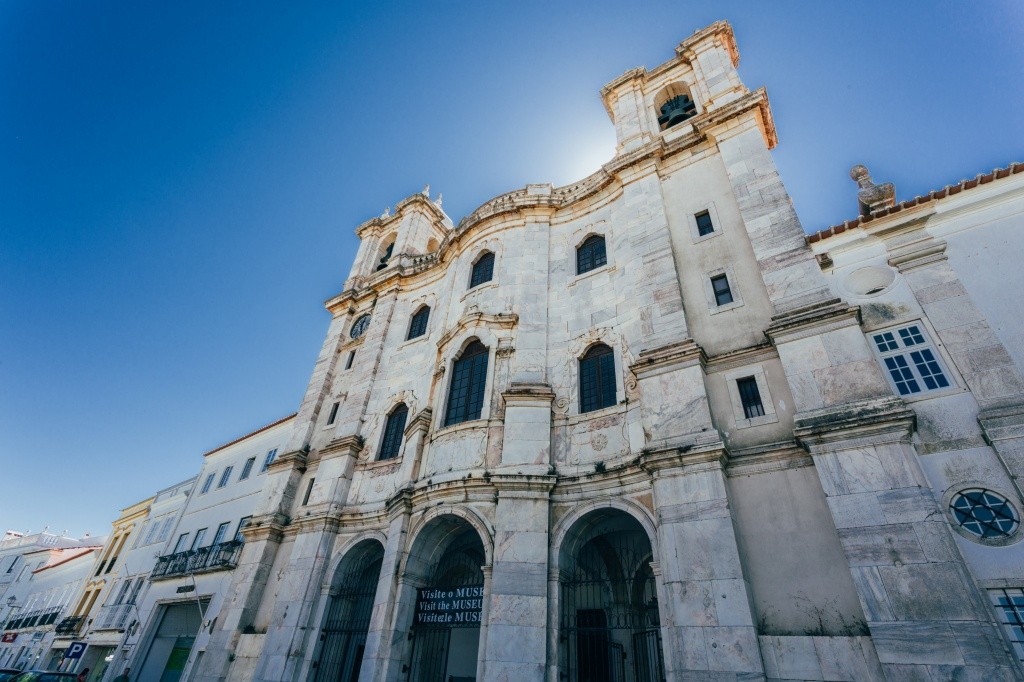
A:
(112, 616)
(69, 626)
(202, 560)
(34, 618)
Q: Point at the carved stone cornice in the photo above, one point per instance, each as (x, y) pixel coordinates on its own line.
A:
(295, 459)
(739, 358)
(420, 422)
(528, 393)
(1002, 422)
(269, 527)
(863, 423)
(339, 447)
(812, 320)
(523, 485)
(764, 458)
(685, 353)
(703, 452)
(506, 320)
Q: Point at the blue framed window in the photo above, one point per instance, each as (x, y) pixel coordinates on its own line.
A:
(704, 224)
(391, 443)
(591, 254)
(483, 270)
(247, 469)
(418, 324)
(750, 397)
(597, 378)
(913, 366)
(207, 483)
(268, 460)
(469, 377)
(225, 477)
(720, 286)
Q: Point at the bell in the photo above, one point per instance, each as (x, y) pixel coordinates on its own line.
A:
(676, 110)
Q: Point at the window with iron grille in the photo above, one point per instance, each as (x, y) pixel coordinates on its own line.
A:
(704, 224)
(597, 378)
(391, 443)
(334, 413)
(912, 364)
(247, 468)
(750, 397)
(591, 254)
(720, 286)
(1009, 605)
(984, 513)
(207, 483)
(225, 477)
(418, 324)
(483, 270)
(469, 376)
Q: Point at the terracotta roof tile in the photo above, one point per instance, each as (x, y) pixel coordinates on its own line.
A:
(947, 191)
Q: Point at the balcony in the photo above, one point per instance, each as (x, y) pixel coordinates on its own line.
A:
(113, 616)
(202, 560)
(33, 619)
(69, 626)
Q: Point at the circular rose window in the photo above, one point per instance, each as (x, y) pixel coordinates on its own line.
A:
(984, 513)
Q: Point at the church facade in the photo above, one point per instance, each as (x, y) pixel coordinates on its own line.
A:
(640, 427)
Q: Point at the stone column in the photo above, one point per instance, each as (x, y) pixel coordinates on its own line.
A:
(516, 636)
(791, 275)
(707, 621)
(643, 249)
(293, 624)
(383, 641)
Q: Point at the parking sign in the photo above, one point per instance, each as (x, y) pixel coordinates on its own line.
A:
(75, 650)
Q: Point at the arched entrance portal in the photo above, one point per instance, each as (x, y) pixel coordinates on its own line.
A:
(608, 606)
(343, 637)
(446, 568)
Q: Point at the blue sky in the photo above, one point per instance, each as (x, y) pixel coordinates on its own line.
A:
(179, 182)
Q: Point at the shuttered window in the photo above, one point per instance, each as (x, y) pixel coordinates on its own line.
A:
(483, 270)
(393, 430)
(597, 379)
(469, 376)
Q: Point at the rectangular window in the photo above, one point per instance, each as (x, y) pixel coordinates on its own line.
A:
(309, 491)
(179, 546)
(720, 285)
(704, 224)
(269, 460)
(351, 357)
(207, 483)
(165, 529)
(912, 365)
(225, 477)
(222, 531)
(247, 468)
(334, 413)
(242, 523)
(197, 542)
(1009, 605)
(750, 397)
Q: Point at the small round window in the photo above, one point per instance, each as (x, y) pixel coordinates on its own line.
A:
(984, 513)
(359, 326)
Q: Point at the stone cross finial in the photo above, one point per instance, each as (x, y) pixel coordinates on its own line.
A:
(871, 197)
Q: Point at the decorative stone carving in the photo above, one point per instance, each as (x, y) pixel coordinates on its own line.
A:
(872, 198)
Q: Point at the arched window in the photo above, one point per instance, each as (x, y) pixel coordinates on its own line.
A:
(597, 378)
(483, 270)
(469, 376)
(418, 324)
(393, 430)
(591, 254)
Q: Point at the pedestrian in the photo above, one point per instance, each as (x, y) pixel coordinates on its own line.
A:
(82, 676)
(123, 677)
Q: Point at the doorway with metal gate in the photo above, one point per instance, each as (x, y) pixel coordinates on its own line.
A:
(347, 618)
(608, 622)
(445, 568)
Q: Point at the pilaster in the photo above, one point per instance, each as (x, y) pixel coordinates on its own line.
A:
(707, 620)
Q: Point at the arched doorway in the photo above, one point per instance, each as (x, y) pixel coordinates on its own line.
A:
(445, 567)
(347, 620)
(608, 607)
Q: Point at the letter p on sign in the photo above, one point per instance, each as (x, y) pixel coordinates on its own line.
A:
(75, 650)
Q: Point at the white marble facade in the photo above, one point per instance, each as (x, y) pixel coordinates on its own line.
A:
(680, 531)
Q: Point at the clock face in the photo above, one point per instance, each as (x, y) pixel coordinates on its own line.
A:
(359, 326)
